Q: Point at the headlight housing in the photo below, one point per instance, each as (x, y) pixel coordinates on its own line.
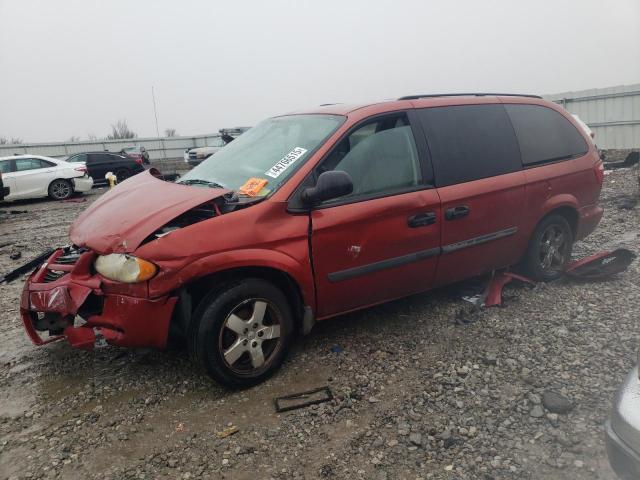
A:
(124, 268)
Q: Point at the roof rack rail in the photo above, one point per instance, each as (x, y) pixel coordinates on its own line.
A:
(433, 95)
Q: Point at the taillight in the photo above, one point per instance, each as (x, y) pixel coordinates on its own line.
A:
(138, 161)
(598, 169)
(81, 168)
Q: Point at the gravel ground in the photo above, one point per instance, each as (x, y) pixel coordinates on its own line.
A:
(424, 387)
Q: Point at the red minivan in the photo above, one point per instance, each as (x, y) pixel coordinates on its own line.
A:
(313, 214)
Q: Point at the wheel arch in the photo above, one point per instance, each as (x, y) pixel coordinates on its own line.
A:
(568, 210)
(68, 180)
(192, 293)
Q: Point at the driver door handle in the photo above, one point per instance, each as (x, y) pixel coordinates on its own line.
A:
(422, 219)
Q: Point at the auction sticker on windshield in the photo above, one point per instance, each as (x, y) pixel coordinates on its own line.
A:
(286, 162)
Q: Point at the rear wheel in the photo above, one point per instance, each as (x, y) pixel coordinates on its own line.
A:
(121, 174)
(242, 332)
(60, 189)
(549, 249)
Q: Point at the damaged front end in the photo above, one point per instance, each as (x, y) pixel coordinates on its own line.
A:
(65, 298)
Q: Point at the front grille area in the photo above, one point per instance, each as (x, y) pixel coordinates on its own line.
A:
(53, 275)
(70, 256)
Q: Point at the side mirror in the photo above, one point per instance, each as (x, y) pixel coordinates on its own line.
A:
(330, 185)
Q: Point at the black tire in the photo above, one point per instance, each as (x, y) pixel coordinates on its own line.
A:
(122, 174)
(60, 189)
(226, 341)
(549, 249)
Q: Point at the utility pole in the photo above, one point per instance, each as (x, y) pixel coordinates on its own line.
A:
(155, 112)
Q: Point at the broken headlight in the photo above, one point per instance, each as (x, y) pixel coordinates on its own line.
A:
(124, 268)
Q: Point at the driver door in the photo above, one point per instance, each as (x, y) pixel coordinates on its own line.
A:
(382, 241)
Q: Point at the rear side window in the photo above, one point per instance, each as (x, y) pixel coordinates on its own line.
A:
(78, 158)
(544, 134)
(470, 142)
(5, 166)
(23, 164)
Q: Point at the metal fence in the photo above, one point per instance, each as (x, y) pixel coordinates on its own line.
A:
(612, 113)
(158, 148)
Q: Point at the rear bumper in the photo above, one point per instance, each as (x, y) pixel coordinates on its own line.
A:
(75, 307)
(82, 184)
(588, 219)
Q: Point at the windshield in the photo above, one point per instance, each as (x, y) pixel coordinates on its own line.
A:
(261, 159)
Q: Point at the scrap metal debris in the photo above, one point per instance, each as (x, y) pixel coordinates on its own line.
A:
(13, 212)
(629, 161)
(595, 267)
(7, 277)
(601, 265)
(15, 255)
(492, 293)
(303, 399)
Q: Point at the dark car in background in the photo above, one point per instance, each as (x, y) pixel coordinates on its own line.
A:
(100, 163)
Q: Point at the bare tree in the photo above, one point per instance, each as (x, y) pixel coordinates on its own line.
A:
(74, 139)
(170, 132)
(92, 136)
(10, 141)
(120, 130)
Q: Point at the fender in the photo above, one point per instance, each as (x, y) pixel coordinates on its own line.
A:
(299, 271)
(531, 220)
(557, 201)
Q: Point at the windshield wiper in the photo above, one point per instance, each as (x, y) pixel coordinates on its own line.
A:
(198, 181)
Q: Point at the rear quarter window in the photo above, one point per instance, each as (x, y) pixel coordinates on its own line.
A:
(545, 135)
(470, 142)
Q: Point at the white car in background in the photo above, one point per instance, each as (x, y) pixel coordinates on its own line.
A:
(33, 176)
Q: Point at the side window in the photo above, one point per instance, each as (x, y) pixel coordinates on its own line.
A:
(470, 142)
(94, 158)
(5, 166)
(380, 157)
(82, 157)
(544, 134)
(23, 164)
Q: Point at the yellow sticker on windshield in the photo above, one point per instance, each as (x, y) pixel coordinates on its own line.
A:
(253, 186)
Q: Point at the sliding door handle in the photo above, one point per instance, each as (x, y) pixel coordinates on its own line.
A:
(456, 212)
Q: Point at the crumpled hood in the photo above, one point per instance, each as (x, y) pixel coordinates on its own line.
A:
(122, 218)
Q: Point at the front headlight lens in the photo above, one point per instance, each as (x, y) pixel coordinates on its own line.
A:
(124, 268)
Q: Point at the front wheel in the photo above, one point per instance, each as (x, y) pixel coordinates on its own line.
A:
(60, 189)
(243, 332)
(549, 249)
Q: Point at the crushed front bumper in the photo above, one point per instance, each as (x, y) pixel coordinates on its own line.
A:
(65, 298)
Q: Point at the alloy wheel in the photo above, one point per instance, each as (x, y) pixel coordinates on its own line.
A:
(250, 336)
(60, 190)
(554, 247)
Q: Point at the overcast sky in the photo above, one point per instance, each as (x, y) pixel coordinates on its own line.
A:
(71, 68)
